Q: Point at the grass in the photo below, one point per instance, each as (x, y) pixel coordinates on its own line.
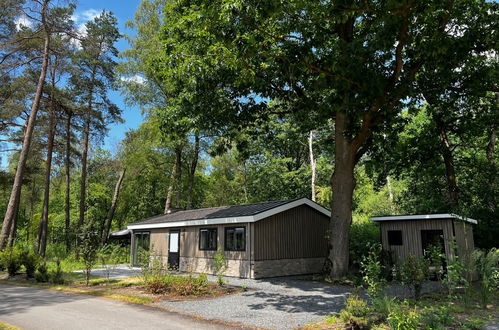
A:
(6, 326)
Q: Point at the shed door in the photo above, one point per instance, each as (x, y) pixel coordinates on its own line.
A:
(174, 249)
(432, 237)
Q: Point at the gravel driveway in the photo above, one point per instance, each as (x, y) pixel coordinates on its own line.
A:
(279, 303)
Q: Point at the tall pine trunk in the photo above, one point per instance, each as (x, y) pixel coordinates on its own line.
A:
(83, 178)
(9, 226)
(192, 171)
(110, 215)
(43, 228)
(67, 201)
(343, 185)
(178, 178)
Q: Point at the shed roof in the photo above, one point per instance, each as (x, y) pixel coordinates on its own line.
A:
(423, 217)
(224, 214)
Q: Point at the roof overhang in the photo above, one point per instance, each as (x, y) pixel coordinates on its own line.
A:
(245, 219)
(424, 217)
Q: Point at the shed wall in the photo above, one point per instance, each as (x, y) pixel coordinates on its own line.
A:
(464, 238)
(411, 236)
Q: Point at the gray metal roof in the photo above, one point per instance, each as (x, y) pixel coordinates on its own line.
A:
(215, 212)
(423, 217)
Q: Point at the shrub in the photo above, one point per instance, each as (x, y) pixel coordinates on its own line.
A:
(413, 272)
(41, 274)
(30, 261)
(356, 306)
(352, 322)
(182, 285)
(373, 271)
(455, 276)
(88, 250)
(487, 267)
(57, 277)
(436, 317)
(12, 261)
(110, 256)
(219, 266)
(403, 318)
(363, 235)
(384, 305)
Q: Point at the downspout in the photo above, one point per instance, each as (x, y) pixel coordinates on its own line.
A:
(250, 248)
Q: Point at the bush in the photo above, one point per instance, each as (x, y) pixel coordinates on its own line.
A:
(384, 305)
(363, 235)
(352, 322)
(435, 318)
(30, 261)
(219, 266)
(57, 277)
(356, 306)
(487, 267)
(403, 318)
(12, 260)
(41, 274)
(88, 249)
(373, 271)
(413, 272)
(182, 285)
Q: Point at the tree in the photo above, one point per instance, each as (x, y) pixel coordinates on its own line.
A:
(94, 75)
(51, 21)
(356, 64)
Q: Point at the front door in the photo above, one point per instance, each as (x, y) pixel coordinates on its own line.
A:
(174, 249)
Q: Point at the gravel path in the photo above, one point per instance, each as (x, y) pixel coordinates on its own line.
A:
(281, 303)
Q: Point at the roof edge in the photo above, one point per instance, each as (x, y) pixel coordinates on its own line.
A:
(423, 217)
(243, 219)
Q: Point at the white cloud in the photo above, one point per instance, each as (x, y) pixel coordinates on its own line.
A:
(134, 79)
(23, 21)
(85, 16)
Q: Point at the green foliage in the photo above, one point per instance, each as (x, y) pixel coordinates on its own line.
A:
(181, 285)
(403, 317)
(89, 245)
(356, 306)
(455, 276)
(30, 262)
(384, 305)
(487, 267)
(373, 271)
(42, 273)
(436, 317)
(110, 256)
(363, 236)
(219, 266)
(57, 276)
(11, 260)
(413, 272)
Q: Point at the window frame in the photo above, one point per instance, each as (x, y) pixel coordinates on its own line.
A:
(399, 240)
(244, 238)
(208, 229)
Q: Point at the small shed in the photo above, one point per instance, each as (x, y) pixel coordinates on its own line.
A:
(413, 234)
(266, 239)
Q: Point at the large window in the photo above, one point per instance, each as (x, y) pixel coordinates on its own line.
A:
(141, 248)
(208, 239)
(395, 237)
(235, 239)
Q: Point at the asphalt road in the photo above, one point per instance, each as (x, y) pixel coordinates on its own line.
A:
(31, 308)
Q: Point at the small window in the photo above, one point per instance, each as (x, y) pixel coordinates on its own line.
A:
(235, 239)
(208, 239)
(395, 237)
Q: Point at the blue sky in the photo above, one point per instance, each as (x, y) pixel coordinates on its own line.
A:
(123, 10)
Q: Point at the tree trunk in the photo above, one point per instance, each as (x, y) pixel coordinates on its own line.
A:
(67, 202)
(491, 146)
(342, 184)
(43, 228)
(450, 171)
(171, 185)
(312, 163)
(13, 205)
(178, 178)
(192, 171)
(110, 214)
(83, 179)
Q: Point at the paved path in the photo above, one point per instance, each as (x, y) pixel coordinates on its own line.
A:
(31, 308)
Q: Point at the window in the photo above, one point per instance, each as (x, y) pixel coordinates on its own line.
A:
(395, 237)
(208, 239)
(235, 239)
